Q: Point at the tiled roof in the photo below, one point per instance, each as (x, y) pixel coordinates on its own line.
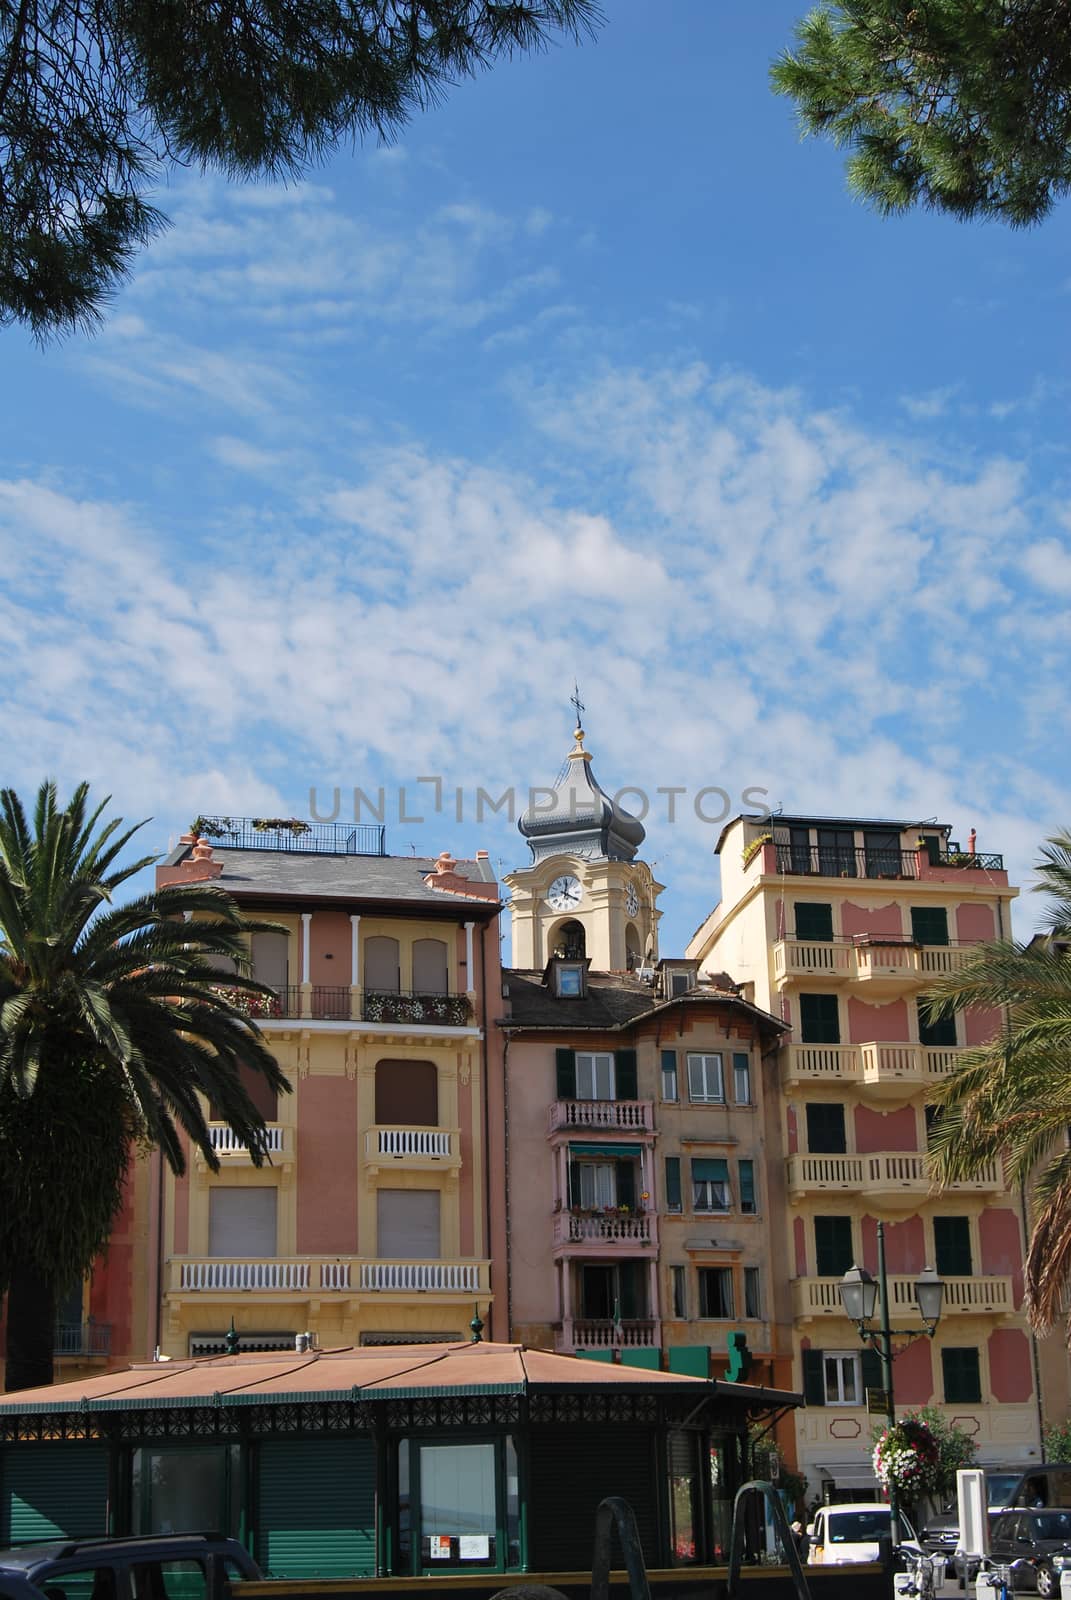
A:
(614, 1000)
(304, 876)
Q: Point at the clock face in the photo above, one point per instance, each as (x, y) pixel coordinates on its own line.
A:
(632, 900)
(564, 893)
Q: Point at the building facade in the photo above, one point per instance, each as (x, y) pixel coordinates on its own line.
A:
(640, 1194)
(837, 926)
(374, 1221)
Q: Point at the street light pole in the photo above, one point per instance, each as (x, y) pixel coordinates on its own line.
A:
(885, 1350)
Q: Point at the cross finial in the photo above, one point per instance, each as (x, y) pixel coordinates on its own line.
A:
(576, 702)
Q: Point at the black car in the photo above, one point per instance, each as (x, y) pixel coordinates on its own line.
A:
(181, 1566)
(1035, 1546)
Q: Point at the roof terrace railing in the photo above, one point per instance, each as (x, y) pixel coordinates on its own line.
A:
(295, 834)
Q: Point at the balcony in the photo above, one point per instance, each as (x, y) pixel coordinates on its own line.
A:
(601, 1116)
(413, 1148)
(882, 965)
(303, 1276)
(813, 958)
(320, 1002)
(602, 1333)
(832, 861)
(605, 1233)
(292, 834)
(228, 1147)
(86, 1341)
(818, 1297)
(894, 1178)
(886, 1069)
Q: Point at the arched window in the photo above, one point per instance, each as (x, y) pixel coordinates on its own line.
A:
(381, 966)
(407, 1094)
(430, 967)
(570, 941)
(632, 947)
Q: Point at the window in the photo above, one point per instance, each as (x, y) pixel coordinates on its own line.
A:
(819, 1019)
(929, 924)
(678, 1277)
(752, 1294)
(799, 851)
(705, 1085)
(408, 1224)
(594, 1184)
(673, 1183)
(710, 1184)
(962, 1375)
(882, 853)
(826, 1134)
(594, 1077)
(716, 1292)
(746, 1171)
(679, 983)
(843, 1380)
(814, 921)
(741, 1078)
(176, 1489)
(836, 852)
(833, 1251)
(458, 1517)
(241, 1221)
(940, 1031)
(952, 1246)
(270, 952)
(168, 1580)
(570, 982)
(430, 967)
(407, 1093)
(382, 968)
(670, 1090)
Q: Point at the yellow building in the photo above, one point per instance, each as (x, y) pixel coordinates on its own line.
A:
(837, 926)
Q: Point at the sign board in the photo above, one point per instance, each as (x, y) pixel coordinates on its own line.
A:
(877, 1402)
(440, 1546)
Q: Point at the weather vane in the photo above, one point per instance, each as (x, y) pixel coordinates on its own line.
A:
(577, 703)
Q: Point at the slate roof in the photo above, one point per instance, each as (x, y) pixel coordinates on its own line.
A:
(614, 1000)
(300, 875)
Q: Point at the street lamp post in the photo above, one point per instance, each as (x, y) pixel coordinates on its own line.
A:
(859, 1296)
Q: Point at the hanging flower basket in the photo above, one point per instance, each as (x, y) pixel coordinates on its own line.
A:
(908, 1456)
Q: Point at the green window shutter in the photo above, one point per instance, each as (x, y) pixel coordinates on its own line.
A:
(929, 924)
(813, 921)
(870, 1368)
(826, 1133)
(710, 1170)
(625, 1075)
(952, 1246)
(941, 1032)
(630, 1290)
(50, 1491)
(833, 1250)
(673, 1183)
(814, 1386)
(626, 1183)
(962, 1376)
(317, 1508)
(566, 1065)
(574, 1182)
(819, 1019)
(747, 1187)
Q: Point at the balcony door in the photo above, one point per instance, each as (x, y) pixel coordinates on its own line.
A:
(407, 1094)
(612, 1290)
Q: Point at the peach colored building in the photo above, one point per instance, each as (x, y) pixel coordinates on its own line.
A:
(640, 1187)
(837, 925)
(375, 1221)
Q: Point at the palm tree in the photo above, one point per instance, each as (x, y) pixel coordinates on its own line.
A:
(113, 1023)
(1010, 1100)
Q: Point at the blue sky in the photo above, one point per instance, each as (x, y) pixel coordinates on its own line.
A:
(598, 373)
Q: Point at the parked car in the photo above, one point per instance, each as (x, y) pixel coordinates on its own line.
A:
(1035, 1546)
(852, 1533)
(186, 1566)
(940, 1536)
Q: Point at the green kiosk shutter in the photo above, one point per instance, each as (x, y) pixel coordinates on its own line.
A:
(316, 1508)
(53, 1491)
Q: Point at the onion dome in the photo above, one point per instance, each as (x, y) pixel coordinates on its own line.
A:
(577, 817)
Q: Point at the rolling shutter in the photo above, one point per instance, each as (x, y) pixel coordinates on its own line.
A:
(53, 1491)
(572, 1469)
(317, 1508)
(565, 1062)
(407, 1222)
(625, 1079)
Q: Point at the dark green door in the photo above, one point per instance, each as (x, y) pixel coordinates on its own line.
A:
(53, 1491)
(316, 1508)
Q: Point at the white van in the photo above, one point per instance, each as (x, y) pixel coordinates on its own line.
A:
(851, 1533)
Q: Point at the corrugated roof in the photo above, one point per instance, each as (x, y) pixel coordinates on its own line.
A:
(402, 1371)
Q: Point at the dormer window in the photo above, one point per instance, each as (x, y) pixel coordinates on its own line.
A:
(569, 980)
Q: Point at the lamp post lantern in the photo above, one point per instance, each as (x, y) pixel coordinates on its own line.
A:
(860, 1296)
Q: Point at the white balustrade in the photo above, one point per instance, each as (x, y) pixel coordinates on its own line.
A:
(399, 1143)
(615, 1116)
(334, 1275)
(245, 1275)
(449, 1277)
(225, 1142)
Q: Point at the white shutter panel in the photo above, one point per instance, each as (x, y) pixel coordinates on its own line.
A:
(408, 1224)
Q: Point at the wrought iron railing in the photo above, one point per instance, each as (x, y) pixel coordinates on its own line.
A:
(409, 1005)
(279, 833)
(979, 861)
(846, 861)
(82, 1339)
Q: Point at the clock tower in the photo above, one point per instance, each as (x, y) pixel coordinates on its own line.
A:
(584, 896)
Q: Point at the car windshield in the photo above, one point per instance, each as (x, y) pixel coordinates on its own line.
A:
(1053, 1525)
(858, 1527)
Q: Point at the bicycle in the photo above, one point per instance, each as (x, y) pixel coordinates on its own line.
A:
(994, 1581)
(919, 1580)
